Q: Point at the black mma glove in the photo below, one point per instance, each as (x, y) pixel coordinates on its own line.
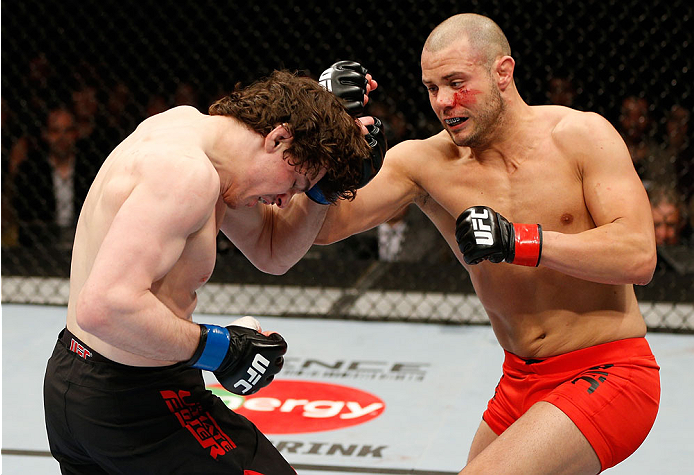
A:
(243, 360)
(483, 234)
(376, 138)
(347, 80)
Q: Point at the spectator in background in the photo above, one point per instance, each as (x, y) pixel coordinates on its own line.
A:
(409, 236)
(668, 214)
(95, 137)
(10, 132)
(156, 104)
(561, 91)
(6, 117)
(396, 127)
(391, 235)
(670, 219)
(122, 115)
(52, 183)
(636, 128)
(8, 127)
(41, 82)
(30, 101)
(18, 152)
(85, 106)
(678, 148)
(186, 94)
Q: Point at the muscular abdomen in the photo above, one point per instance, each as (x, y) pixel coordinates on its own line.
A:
(540, 312)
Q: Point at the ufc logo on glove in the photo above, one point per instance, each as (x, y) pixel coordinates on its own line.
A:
(483, 232)
(228, 351)
(255, 371)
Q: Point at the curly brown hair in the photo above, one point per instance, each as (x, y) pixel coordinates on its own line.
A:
(324, 133)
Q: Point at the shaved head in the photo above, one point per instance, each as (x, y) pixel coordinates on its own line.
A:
(484, 36)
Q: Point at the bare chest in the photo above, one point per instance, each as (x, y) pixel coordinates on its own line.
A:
(197, 261)
(545, 189)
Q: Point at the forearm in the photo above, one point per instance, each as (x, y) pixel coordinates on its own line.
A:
(348, 218)
(294, 232)
(606, 254)
(286, 235)
(142, 325)
(334, 227)
(272, 238)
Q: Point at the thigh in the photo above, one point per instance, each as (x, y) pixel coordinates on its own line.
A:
(483, 437)
(542, 441)
(614, 406)
(65, 449)
(173, 426)
(268, 460)
(198, 433)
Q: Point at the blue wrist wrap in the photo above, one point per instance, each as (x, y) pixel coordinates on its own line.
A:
(316, 194)
(216, 348)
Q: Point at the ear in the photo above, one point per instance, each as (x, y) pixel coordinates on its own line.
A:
(504, 71)
(279, 136)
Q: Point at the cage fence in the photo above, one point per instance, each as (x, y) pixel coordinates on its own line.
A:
(114, 63)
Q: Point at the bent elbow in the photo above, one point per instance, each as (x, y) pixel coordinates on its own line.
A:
(647, 274)
(272, 267)
(325, 237)
(99, 308)
(276, 270)
(90, 313)
(322, 241)
(644, 268)
(328, 235)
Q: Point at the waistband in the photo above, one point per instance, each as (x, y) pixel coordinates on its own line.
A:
(611, 352)
(83, 352)
(75, 345)
(97, 371)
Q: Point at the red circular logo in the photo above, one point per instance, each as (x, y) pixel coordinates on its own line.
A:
(291, 407)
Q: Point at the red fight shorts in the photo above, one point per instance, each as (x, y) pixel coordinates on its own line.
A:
(610, 391)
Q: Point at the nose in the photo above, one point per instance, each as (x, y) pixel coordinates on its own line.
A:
(444, 98)
(282, 200)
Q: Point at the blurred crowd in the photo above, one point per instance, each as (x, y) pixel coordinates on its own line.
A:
(57, 131)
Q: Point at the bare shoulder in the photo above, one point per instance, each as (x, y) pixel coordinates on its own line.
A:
(419, 166)
(580, 133)
(173, 114)
(166, 156)
(436, 147)
(573, 124)
(186, 171)
(172, 126)
(440, 142)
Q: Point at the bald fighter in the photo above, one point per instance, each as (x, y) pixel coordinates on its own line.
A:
(543, 207)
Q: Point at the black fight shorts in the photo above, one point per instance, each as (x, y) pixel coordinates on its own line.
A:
(106, 418)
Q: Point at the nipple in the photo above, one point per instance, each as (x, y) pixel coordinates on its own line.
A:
(567, 218)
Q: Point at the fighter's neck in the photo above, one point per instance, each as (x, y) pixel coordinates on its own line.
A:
(511, 133)
(228, 143)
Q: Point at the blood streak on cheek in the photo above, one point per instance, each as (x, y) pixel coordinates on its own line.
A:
(465, 97)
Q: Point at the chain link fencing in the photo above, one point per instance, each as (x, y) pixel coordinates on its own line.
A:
(113, 63)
